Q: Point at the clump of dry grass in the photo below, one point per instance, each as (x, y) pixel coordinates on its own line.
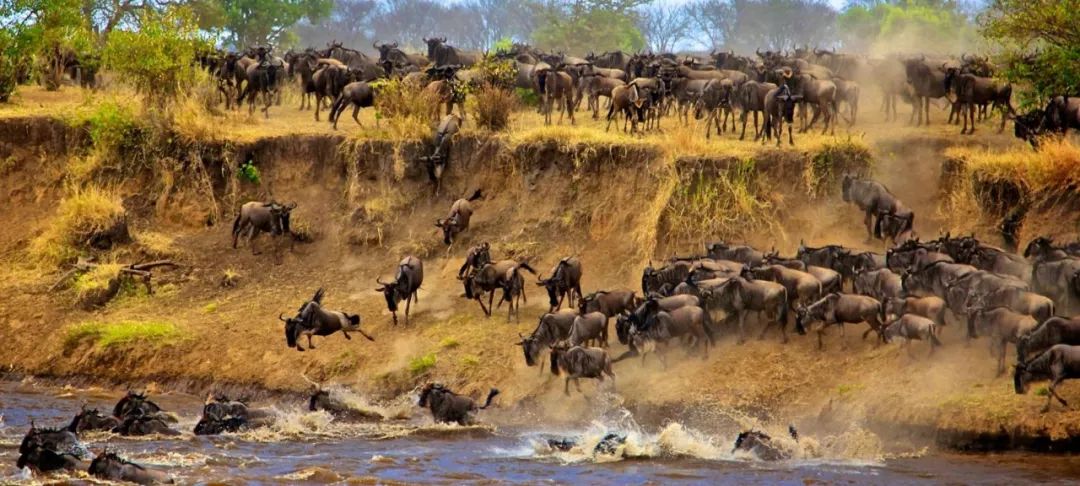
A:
(493, 106)
(157, 245)
(1052, 168)
(403, 110)
(728, 204)
(81, 214)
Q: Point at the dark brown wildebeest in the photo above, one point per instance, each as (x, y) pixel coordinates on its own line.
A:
(313, 320)
(879, 284)
(628, 101)
(589, 328)
(751, 99)
(1002, 325)
(391, 53)
(405, 286)
(934, 278)
(779, 109)
(972, 91)
(875, 199)
(264, 77)
(503, 274)
(609, 302)
(357, 94)
(555, 87)
(564, 282)
(328, 80)
(44, 450)
(912, 327)
(643, 332)
(821, 95)
(593, 86)
(440, 53)
(714, 103)
(458, 219)
(1059, 280)
(739, 296)
(140, 425)
(91, 419)
(441, 140)
(449, 407)
(910, 257)
(259, 217)
(578, 362)
(1023, 301)
(111, 467)
(928, 82)
(802, 288)
(840, 309)
(552, 328)
(1055, 330)
(476, 257)
(513, 286)
(323, 400)
(1057, 364)
(831, 280)
(664, 279)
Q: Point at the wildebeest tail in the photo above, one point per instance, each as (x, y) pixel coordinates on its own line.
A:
(236, 223)
(476, 195)
(525, 266)
(337, 107)
(490, 397)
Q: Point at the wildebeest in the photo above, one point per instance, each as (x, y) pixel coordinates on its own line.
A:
(751, 98)
(1002, 325)
(928, 82)
(644, 331)
(458, 219)
(880, 284)
(259, 217)
(831, 280)
(610, 302)
(664, 279)
(931, 307)
(821, 95)
(802, 288)
(578, 362)
(1055, 330)
(405, 286)
(111, 467)
(391, 52)
(739, 296)
(440, 53)
(1057, 364)
(220, 414)
(139, 425)
(135, 403)
(593, 86)
(840, 309)
(629, 101)
(91, 419)
(711, 99)
(875, 199)
(45, 450)
(779, 109)
(552, 328)
(564, 282)
(503, 274)
(761, 445)
(912, 327)
(972, 91)
(591, 328)
(475, 258)
(328, 81)
(358, 94)
(263, 77)
(743, 254)
(555, 87)
(848, 92)
(323, 400)
(449, 407)
(312, 320)
(441, 139)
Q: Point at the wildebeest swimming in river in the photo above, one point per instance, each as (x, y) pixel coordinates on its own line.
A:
(111, 467)
(258, 217)
(762, 446)
(45, 450)
(312, 320)
(91, 419)
(220, 414)
(448, 407)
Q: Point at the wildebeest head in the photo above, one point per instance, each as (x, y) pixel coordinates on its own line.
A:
(279, 217)
(530, 345)
(1038, 247)
(109, 465)
(292, 329)
(449, 226)
(384, 50)
(430, 390)
(433, 45)
(1020, 378)
(557, 351)
(622, 327)
(553, 283)
(395, 291)
(135, 404)
(1029, 126)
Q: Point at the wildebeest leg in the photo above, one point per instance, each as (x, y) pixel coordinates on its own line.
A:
(252, 234)
(577, 384)
(355, 114)
(1001, 356)
(743, 120)
(820, 337)
(480, 300)
(868, 220)
(346, 333)
(408, 305)
(742, 330)
(309, 345)
(491, 298)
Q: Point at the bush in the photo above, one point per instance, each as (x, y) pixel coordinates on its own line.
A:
(158, 58)
(407, 107)
(493, 106)
(421, 364)
(79, 218)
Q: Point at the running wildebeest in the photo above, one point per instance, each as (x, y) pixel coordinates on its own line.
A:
(1002, 325)
(610, 302)
(658, 327)
(91, 419)
(589, 328)
(458, 218)
(1055, 330)
(912, 327)
(1057, 364)
(111, 467)
(840, 309)
(564, 282)
(503, 274)
(258, 217)
(743, 254)
(739, 296)
(437, 162)
(578, 362)
(449, 407)
(357, 94)
(475, 258)
(552, 328)
(405, 286)
(312, 320)
(875, 199)
(931, 307)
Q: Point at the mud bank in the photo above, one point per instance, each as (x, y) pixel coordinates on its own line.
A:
(367, 203)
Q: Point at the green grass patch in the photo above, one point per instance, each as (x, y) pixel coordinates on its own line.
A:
(449, 343)
(108, 334)
(847, 388)
(210, 308)
(1042, 391)
(470, 360)
(421, 364)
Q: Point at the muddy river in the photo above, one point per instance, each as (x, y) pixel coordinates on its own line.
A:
(311, 448)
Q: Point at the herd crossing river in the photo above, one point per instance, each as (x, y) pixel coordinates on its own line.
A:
(310, 448)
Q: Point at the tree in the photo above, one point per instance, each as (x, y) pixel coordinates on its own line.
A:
(781, 25)
(350, 23)
(664, 26)
(1040, 44)
(923, 26)
(714, 22)
(53, 31)
(588, 25)
(158, 57)
(254, 22)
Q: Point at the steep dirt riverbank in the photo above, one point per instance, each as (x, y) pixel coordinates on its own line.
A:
(367, 204)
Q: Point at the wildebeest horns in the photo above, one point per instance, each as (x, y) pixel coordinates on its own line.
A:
(282, 317)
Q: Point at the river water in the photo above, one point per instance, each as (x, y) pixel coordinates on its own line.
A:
(311, 448)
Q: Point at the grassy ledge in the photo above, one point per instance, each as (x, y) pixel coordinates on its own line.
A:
(110, 334)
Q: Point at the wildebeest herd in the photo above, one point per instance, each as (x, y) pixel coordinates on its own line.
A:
(644, 87)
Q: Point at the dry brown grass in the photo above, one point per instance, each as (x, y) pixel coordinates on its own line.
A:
(81, 213)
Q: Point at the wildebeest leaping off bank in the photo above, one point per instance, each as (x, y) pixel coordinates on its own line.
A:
(312, 320)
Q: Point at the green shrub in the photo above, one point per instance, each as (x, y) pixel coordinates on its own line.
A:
(109, 334)
(249, 172)
(421, 364)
